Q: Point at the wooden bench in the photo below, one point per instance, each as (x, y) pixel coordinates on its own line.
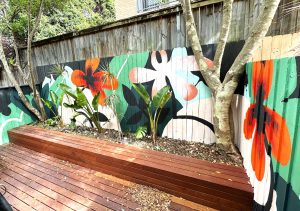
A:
(215, 185)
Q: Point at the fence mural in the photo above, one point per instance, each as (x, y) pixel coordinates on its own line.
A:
(265, 109)
(12, 112)
(269, 133)
(190, 106)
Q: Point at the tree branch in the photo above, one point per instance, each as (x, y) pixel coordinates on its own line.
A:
(226, 23)
(211, 79)
(17, 57)
(13, 80)
(31, 33)
(257, 34)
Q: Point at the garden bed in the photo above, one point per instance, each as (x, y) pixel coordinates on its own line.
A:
(201, 151)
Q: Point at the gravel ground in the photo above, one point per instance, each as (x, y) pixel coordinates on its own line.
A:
(210, 153)
(150, 198)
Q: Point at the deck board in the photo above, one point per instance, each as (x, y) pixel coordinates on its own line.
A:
(215, 185)
(36, 181)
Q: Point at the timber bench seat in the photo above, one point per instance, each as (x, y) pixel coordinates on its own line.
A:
(215, 185)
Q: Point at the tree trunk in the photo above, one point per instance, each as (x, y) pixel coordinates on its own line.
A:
(223, 91)
(36, 94)
(13, 80)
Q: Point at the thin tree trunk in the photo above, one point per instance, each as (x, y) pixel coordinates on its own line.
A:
(31, 33)
(13, 80)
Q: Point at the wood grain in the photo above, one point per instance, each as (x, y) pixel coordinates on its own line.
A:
(215, 185)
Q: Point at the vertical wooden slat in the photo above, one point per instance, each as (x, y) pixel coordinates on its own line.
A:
(257, 53)
(286, 45)
(276, 47)
(266, 48)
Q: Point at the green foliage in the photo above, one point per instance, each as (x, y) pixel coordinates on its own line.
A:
(140, 132)
(57, 69)
(53, 103)
(162, 97)
(50, 104)
(95, 101)
(59, 16)
(19, 14)
(159, 101)
(74, 16)
(73, 121)
(81, 102)
(54, 97)
(53, 121)
(140, 89)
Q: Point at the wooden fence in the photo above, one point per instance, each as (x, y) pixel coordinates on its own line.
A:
(163, 29)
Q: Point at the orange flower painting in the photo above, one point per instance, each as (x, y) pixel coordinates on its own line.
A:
(265, 125)
(94, 80)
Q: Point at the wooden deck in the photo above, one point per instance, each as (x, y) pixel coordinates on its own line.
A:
(35, 181)
(214, 185)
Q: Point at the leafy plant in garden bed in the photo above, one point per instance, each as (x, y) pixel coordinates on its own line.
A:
(154, 106)
(82, 106)
(53, 106)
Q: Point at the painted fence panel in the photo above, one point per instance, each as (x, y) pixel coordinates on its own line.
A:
(267, 123)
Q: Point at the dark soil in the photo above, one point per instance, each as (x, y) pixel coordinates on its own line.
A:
(210, 153)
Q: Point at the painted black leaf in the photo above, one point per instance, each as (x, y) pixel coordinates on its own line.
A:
(142, 105)
(129, 96)
(164, 113)
(5, 101)
(200, 77)
(135, 118)
(101, 117)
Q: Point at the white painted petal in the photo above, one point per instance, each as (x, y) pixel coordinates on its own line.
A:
(163, 65)
(181, 129)
(141, 75)
(274, 200)
(158, 84)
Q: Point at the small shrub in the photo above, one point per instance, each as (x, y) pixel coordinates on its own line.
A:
(141, 132)
(82, 106)
(155, 105)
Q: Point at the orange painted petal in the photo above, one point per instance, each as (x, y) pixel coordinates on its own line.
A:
(92, 64)
(249, 122)
(102, 97)
(98, 78)
(190, 92)
(262, 75)
(278, 135)
(267, 77)
(258, 156)
(77, 78)
(256, 77)
(110, 82)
